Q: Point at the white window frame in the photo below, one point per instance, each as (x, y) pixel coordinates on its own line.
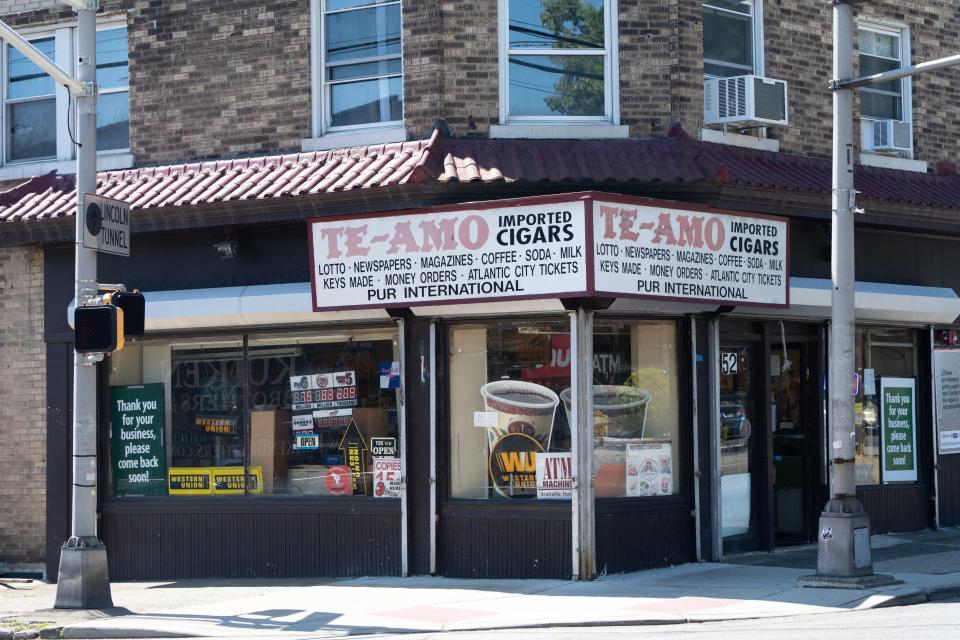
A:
(611, 71)
(902, 31)
(64, 35)
(756, 20)
(353, 135)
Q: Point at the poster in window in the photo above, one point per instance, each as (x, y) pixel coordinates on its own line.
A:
(138, 448)
(947, 372)
(898, 428)
(649, 468)
(331, 390)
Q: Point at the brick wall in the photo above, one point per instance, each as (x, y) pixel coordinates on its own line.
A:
(22, 406)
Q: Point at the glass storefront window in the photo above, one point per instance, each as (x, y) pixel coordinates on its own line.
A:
(880, 352)
(266, 415)
(510, 434)
(636, 421)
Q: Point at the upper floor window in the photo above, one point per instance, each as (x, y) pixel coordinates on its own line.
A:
(557, 60)
(362, 64)
(881, 50)
(37, 119)
(732, 38)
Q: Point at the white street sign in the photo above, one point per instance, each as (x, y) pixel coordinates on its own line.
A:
(106, 225)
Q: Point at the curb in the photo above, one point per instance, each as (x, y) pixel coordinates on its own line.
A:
(94, 633)
(920, 596)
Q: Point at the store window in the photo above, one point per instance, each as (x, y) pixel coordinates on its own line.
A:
(636, 422)
(509, 430)
(36, 112)
(880, 353)
(286, 415)
(732, 38)
(362, 65)
(557, 60)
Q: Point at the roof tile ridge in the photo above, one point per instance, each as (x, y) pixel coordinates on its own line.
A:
(35, 184)
(429, 153)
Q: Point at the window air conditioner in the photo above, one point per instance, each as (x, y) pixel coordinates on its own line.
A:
(747, 101)
(887, 136)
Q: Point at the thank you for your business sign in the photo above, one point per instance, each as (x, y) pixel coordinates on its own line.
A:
(548, 247)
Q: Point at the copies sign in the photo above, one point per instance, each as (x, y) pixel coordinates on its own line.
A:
(513, 252)
(657, 252)
(106, 225)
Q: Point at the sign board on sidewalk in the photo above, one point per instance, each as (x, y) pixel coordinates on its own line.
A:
(898, 425)
(106, 225)
(947, 382)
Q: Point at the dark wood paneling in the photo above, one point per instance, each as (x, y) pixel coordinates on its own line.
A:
(59, 451)
(643, 534)
(895, 509)
(505, 541)
(254, 538)
(949, 491)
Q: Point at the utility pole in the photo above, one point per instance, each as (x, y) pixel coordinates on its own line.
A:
(84, 582)
(843, 537)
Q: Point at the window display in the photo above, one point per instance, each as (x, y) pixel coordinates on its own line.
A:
(271, 415)
(509, 437)
(880, 353)
(636, 421)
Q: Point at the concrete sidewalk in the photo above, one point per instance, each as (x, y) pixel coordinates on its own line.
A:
(334, 608)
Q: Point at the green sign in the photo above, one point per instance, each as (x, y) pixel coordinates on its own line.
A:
(137, 445)
(898, 421)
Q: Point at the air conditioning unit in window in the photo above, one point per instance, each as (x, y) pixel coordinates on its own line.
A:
(885, 136)
(746, 101)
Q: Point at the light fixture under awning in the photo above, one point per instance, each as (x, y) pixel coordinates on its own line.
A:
(228, 307)
(875, 302)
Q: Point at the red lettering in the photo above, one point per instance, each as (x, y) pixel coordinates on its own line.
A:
(691, 232)
(608, 213)
(354, 236)
(331, 234)
(664, 230)
(714, 234)
(482, 232)
(403, 236)
(439, 235)
(626, 225)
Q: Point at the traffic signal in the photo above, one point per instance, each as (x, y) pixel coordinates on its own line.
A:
(134, 307)
(98, 329)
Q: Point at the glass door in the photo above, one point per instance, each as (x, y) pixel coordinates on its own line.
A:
(741, 384)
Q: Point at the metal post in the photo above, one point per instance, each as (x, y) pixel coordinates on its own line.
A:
(83, 582)
(433, 446)
(695, 426)
(581, 449)
(935, 435)
(402, 418)
(843, 540)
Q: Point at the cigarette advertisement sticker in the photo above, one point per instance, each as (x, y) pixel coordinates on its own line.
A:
(649, 251)
(138, 454)
(526, 251)
(324, 390)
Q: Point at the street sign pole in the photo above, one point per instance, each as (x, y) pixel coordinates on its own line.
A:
(84, 582)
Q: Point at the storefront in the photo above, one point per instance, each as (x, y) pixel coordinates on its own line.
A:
(552, 386)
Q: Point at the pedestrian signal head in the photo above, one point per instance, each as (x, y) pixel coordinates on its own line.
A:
(98, 329)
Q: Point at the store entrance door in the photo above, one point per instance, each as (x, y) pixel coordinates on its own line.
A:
(742, 476)
(794, 425)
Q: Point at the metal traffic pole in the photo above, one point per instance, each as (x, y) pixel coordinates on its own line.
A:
(843, 537)
(83, 581)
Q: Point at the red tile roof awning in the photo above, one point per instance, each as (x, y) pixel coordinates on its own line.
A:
(676, 158)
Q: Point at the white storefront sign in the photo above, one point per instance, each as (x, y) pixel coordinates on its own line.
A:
(649, 251)
(497, 253)
(549, 247)
(554, 475)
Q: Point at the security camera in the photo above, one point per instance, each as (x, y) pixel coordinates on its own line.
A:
(228, 249)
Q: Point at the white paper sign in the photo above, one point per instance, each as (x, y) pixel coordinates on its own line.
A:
(302, 421)
(554, 476)
(512, 252)
(652, 251)
(869, 382)
(485, 418)
(947, 379)
(649, 468)
(387, 477)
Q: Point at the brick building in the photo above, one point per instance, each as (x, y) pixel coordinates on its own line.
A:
(238, 120)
